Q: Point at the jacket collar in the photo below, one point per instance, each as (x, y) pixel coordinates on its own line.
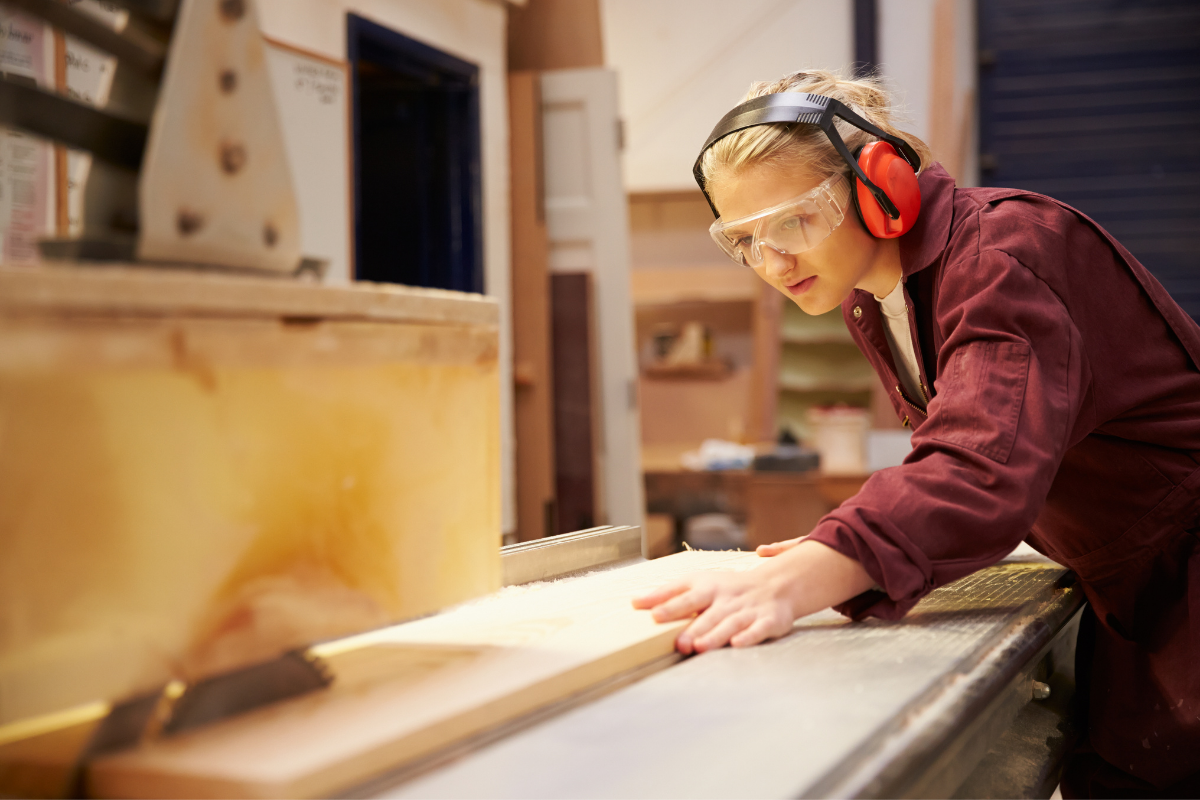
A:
(928, 238)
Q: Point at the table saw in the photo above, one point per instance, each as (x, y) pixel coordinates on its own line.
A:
(251, 650)
(969, 696)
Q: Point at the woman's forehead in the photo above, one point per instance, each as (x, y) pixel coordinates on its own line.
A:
(759, 187)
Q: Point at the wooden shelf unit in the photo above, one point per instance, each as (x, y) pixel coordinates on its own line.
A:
(683, 406)
(819, 364)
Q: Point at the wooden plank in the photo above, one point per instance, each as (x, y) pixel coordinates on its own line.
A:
(574, 425)
(554, 34)
(782, 505)
(410, 690)
(660, 535)
(183, 496)
(686, 412)
(533, 402)
(146, 291)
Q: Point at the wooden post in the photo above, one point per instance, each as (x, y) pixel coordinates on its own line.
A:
(764, 391)
(574, 422)
(534, 397)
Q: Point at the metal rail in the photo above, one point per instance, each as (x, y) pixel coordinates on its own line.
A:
(558, 556)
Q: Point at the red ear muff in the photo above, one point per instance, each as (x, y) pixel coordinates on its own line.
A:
(887, 170)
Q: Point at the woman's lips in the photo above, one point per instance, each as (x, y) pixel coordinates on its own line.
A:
(803, 286)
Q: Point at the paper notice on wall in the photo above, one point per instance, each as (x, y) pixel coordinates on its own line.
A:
(26, 162)
(89, 80)
(312, 96)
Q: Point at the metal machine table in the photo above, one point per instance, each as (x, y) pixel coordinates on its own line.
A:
(938, 704)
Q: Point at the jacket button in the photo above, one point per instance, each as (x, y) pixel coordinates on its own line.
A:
(857, 312)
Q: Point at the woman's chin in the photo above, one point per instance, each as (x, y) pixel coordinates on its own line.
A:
(814, 304)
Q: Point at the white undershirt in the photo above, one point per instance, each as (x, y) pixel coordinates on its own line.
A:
(899, 339)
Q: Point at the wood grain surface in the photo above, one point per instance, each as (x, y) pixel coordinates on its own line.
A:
(182, 495)
(162, 292)
(407, 691)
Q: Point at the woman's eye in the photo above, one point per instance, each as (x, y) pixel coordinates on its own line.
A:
(742, 241)
(791, 223)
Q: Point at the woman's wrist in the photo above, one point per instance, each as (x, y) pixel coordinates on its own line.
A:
(812, 576)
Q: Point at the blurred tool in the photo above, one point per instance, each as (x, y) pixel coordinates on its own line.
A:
(713, 532)
(718, 454)
(787, 456)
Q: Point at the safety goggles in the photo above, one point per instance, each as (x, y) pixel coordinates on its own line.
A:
(800, 224)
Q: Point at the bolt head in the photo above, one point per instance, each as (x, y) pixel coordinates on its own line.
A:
(232, 157)
(188, 222)
(233, 10)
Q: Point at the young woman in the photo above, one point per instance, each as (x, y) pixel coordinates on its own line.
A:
(1052, 388)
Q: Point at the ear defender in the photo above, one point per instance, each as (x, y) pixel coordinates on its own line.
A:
(891, 173)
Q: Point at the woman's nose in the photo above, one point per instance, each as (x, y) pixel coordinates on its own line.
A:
(775, 263)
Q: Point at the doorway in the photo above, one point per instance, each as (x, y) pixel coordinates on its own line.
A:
(418, 218)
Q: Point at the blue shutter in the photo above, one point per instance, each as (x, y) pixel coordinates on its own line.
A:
(1097, 104)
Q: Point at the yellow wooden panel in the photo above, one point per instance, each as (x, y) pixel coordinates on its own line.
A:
(178, 497)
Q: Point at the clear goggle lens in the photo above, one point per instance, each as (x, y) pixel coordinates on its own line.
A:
(800, 224)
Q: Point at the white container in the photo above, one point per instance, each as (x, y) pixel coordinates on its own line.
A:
(839, 434)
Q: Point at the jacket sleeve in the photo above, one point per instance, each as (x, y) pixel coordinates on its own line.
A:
(1009, 385)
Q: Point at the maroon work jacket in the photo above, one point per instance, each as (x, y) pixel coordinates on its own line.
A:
(1064, 409)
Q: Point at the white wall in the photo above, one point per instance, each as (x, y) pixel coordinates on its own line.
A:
(906, 53)
(905, 42)
(683, 63)
(473, 30)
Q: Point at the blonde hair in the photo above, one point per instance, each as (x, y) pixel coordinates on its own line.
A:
(793, 144)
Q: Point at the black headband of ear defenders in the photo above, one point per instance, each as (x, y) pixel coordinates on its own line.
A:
(813, 109)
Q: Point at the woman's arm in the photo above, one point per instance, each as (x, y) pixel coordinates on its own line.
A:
(744, 608)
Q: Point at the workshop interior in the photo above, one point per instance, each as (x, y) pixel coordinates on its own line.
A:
(361, 359)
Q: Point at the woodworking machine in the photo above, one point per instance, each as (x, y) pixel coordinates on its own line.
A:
(250, 527)
(971, 696)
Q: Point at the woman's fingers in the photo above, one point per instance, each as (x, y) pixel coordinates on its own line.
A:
(704, 623)
(660, 595)
(767, 550)
(721, 633)
(760, 630)
(684, 605)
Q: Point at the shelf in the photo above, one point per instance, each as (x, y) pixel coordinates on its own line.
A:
(800, 386)
(708, 371)
(734, 284)
(814, 369)
(800, 328)
(816, 338)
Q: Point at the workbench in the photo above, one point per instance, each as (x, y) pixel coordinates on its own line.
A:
(774, 506)
(940, 703)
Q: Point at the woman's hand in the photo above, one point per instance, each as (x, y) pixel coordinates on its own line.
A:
(745, 608)
(768, 550)
(737, 608)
